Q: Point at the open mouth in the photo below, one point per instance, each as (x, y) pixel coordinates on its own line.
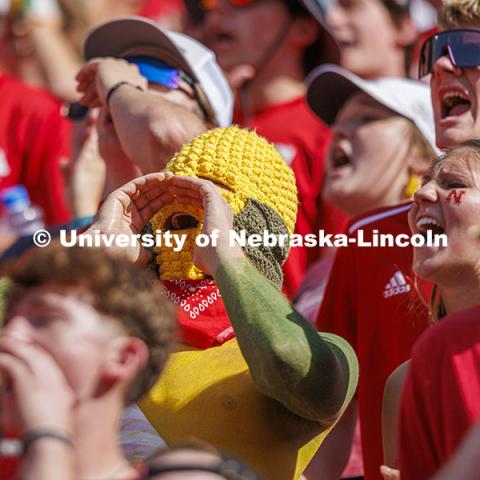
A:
(429, 224)
(339, 158)
(180, 221)
(455, 102)
(221, 39)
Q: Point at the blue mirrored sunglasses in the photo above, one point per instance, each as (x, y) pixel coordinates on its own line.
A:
(157, 71)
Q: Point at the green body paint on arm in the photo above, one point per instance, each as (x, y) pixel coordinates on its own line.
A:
(312, 374)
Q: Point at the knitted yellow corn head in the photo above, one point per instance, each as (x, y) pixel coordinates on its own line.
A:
(255, 181)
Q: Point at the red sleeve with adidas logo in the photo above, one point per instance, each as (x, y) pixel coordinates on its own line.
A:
(371, 301)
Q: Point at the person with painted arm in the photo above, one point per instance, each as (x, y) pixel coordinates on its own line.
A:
(262, 317)
(312, 374)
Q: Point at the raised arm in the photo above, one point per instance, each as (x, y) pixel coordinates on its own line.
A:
(312, 374)
(150, 128)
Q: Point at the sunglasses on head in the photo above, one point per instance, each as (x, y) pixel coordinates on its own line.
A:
(209, 4)
(156, 71)
(462, 46)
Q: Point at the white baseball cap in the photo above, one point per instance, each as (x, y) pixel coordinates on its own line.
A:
(330, 86)
(133, 35)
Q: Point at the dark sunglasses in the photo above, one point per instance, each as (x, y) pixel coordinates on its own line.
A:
(209, 4)
(461, 45)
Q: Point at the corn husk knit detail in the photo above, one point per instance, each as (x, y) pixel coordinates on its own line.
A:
(244, 166)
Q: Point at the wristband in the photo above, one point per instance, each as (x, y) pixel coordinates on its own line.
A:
(117, 86)
(34, 435)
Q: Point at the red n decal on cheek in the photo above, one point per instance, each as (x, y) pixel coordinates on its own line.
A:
(455, 196)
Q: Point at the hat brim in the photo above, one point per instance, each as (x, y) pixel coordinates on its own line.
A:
(329, 87)
(126, 36)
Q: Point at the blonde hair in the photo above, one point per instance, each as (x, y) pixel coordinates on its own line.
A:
(416, 139)
(459, 13)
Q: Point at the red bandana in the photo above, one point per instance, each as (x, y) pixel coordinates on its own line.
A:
(201, 316)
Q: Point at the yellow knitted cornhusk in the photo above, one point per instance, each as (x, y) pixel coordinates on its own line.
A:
(243, 166)
(245, 163)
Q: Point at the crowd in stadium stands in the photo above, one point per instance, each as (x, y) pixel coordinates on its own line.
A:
(165, 167)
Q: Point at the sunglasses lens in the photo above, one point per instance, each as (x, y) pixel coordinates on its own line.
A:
(156, 71)
(466, 50)
(462, 46)
(168, 78)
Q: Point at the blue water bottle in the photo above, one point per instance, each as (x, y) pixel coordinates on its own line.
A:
(18, 213)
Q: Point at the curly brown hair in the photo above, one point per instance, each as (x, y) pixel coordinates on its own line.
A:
(124, 292)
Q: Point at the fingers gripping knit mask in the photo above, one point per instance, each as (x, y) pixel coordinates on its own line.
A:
(256, 182)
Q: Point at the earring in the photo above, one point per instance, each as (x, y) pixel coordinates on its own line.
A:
(412, 186)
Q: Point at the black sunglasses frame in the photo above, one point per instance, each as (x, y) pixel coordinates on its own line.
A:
(208, 115)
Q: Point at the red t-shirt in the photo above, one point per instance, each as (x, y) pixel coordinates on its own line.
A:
(370, 300)
(441, 398)
(302, 139)
(34, 138)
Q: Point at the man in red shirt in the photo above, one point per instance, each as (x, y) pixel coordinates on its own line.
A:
(277, 42)
(34, 140)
